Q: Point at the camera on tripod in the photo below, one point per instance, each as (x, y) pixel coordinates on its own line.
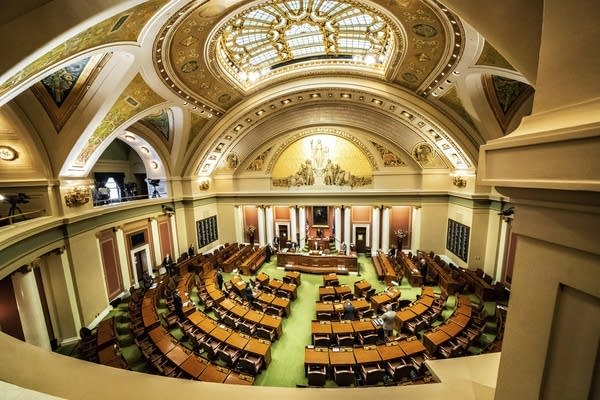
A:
(13, 200)
(154, 183)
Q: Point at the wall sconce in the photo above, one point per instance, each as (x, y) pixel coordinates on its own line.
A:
(78, 196)
(204, 185)
(459, 181)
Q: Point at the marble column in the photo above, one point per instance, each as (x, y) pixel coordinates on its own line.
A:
(238, 221)
(30, 308)
(347, 227)
(385, 229)
(262, 237)
(502, 238)
(415, 233)
(375, 225)
(293, 224)
(270, 223)
(155, 240)
(337, 215)
(173, 226)
(302, 226)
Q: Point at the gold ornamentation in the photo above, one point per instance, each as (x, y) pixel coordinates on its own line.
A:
(389, 159)
(204, 185)
(79, 196)
(122, 110)
(459, 181)
(259, 161)
(7, 153)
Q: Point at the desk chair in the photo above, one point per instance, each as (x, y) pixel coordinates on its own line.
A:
(324, 315)
(265, 333)
(210, 346)
(372, 373)
(368, 338)
(250, 363)
(246, 327)
(343, 375)
(316, 375)
(345, 340)
(321, 340)
(228, 354)
(230, 320)
(272, 310)
(368, 313)
(398, 369)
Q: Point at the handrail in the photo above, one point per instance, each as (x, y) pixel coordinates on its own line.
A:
(20, 215)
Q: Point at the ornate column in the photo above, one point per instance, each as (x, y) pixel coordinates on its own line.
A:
(262, 237)
(270, 222)
(155, 240)
(337, 215)
(123, 256)
(347, 227)
(30, 307)
(173, 225)
(293, 224)
(375, 224)
(239, 223)
(415, 236)
(502, 238)
(302, 226)
(385, 229)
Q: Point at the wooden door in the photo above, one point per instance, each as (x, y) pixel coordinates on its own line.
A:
(361, 239)
(283, 235)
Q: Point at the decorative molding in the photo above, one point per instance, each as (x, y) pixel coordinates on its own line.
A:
(505, 96)
(259, 162)
(7, 153)
(389, 158)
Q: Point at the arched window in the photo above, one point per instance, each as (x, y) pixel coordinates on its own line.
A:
(113, 189)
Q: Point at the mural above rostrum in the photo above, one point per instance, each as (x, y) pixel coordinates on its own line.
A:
(322, 161)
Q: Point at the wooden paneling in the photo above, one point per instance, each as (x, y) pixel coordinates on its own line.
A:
(361, 214)
(281, 213)
(401, 217)
(10, 322)
(164, 232)
(112, 268)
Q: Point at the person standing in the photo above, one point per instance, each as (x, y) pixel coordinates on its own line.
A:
(389, 321)
(220, 278)
(178, 305)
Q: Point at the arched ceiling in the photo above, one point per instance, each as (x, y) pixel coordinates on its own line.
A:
(390, 74)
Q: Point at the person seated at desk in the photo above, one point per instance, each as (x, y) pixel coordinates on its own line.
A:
(147, 280)
(249, 293)
(349, 311)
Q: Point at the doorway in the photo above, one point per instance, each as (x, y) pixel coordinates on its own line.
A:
(140, 260)
(361, 239)
(282, 233)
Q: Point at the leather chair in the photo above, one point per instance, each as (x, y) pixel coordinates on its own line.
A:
(345, 340)
(228, 354)
(246, 327)
(321, 340)
(370, 293)
(210, 346)
(368, 338)
(343, 375)
(265, 333)
(282, 293)
(368, 313)
(398, 369)
(372, 373)
(230, 321)
(316, 375)
(250, 363)
(328, 297)
(272, 310)
(324, 316)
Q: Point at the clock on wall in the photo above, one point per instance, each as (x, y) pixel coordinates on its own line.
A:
(8, 153)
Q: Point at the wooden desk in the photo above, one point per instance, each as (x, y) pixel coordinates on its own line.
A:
(433, 339)
(157, 334)
(219, 333)
(341, 327)
(275, 284)
(238, 379)
(390, 351)
(289, 288)
(266, 297)
(380, 300)
(108, 355)
(341, 290)
(315, 356)
(177, 355)
(193, 366)
(227, 304)
(343, 356)
(404, 316)
(427, 291)
(426, 301)
(207, 325)
(328, 278)
(451, 328)
(196, 317)
(106, 333)
(410, 347)
(361, 304)
(282, 302)
(419, 308)
(214, 374)
(259, 347)
(262, 278)
(464, 310)
(324, 307)
(165, 345)
(294, 277)
(149, 316)
(272, 321)
(460, 319)
(361, 287)
(366, 355)
(216, 295)
(239, 310)
(326, 291)
(363, 326)
(320, 328)
(237, 341)
(253, 316)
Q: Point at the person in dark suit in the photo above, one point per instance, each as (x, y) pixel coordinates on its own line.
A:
(349, 311)
(220, 278)
(178, 305)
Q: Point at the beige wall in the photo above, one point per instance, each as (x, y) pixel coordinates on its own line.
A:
(88, 275)
(434, 218)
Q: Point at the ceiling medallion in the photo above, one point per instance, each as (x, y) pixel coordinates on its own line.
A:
(7, 153)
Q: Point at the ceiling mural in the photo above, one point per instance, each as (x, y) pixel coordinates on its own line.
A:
(137, 97)
(389, 158)
(452, 100)
(490, 57)
(123, 27)
(409, 40)
(427, 157)
(61, 92)
(160, 122)
(505, 96)
(321, 160)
